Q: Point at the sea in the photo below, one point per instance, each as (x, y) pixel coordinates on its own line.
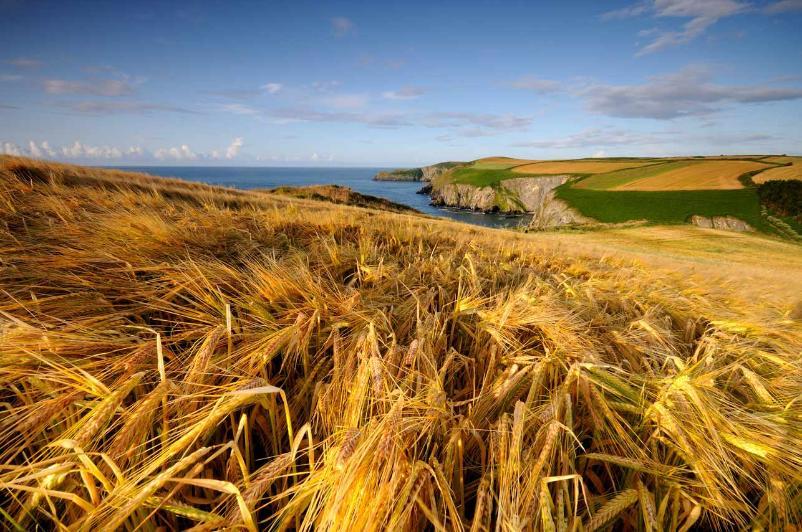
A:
(359, 179)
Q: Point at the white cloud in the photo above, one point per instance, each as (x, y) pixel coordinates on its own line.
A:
(80, 151)
(341, 26)
(10, 77)
(626, 12)
(623, 141)
(234, 148)
(688, 92)
(181, 153)
(344, 117)
(106, 87)
(25, 62)
(41, 150)
(404, 93)
(702, 15)
(463, 123)
(538, 85)
(84, 151)
(9, 148)
(597, 137)
(784, 6)
(123, 107)
(325, 86)
(272, 88)
(346, 101)
(506, 122)
(240, 109)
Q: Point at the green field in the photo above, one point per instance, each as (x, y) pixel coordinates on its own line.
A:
(482, 177)
(665, 207)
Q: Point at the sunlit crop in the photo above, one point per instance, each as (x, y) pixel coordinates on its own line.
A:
(184, 356)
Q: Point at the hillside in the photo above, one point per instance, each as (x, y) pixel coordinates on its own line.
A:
(179, 355)
(341, 196)
(718, 191)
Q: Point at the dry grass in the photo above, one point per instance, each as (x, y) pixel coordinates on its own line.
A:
(702, 175)
(578, 167)
(179, 357)
(754, 266)
(794, 171)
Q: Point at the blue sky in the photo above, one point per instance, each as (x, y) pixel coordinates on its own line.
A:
(397, 83)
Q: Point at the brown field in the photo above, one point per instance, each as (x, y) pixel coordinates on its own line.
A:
(178, 356)
(703, 175)
(577, 167)
(782, 172)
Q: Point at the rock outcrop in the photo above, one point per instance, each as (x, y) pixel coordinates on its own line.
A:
(404, 174)
(464, 196)
(725, 223)
(533, 195)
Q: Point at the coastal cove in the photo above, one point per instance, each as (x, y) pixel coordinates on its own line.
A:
(359, 179)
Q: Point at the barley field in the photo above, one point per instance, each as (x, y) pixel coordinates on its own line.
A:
(579, 167)
(687, 174)
(794, 171)
(178, 356)
(703, 175)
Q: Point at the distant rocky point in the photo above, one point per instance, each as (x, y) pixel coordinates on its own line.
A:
(424, 173)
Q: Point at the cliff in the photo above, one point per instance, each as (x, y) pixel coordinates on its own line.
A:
(519, 195)
(424, 173)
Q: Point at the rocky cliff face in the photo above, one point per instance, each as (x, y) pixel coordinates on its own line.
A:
(424, 173)
(512, 195)
(432, 171)
(464, 196)
(726, 223)
(520, 195)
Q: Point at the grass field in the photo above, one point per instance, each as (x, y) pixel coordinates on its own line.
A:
(794, 171)
(177, 356)
(480, 177)
(664, 207)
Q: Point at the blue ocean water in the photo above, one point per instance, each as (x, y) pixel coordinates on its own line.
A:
(359, 179)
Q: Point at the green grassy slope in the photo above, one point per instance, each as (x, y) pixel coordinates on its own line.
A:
(481, 177)
(665, 207)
